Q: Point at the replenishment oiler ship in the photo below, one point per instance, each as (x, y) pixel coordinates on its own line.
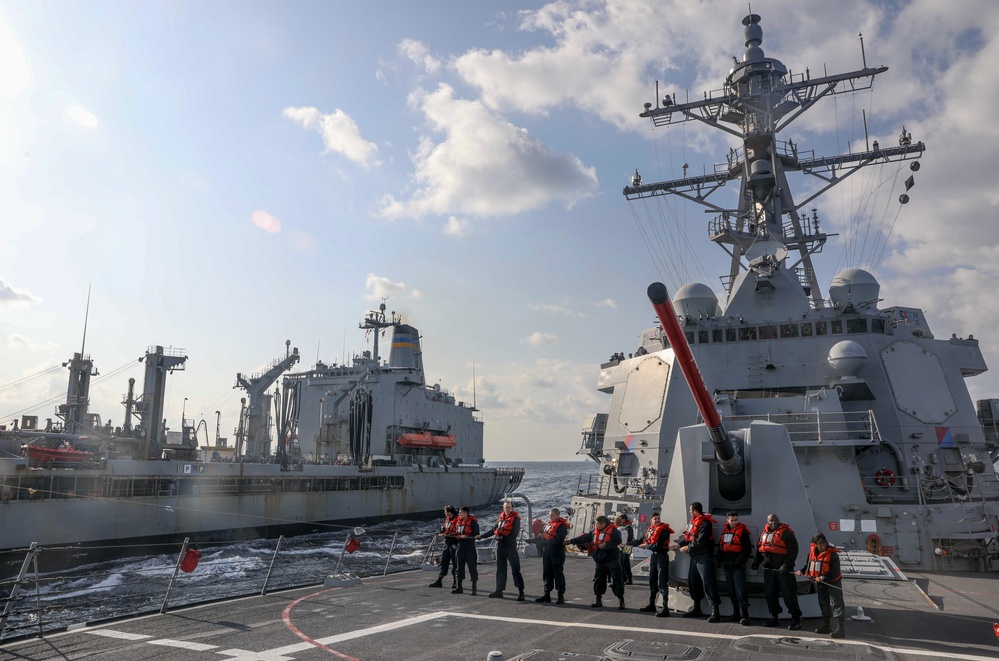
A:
(358, 442)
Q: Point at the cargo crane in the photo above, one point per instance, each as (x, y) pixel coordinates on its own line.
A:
(254, 440)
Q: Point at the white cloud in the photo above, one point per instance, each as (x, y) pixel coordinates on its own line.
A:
(418, 52)
(19, 342)
(380, 287)
(607, 303)
(11, 294)
(340, 134)
(484, 166)
(552, 308)
(14, 74)
(456, 226)
(80, 116)
(266, 222)
(538, 338)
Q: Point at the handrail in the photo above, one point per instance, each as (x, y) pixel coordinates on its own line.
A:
(218, 575)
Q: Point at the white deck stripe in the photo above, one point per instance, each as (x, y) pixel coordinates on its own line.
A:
(122, 635)
(183, 644)
(360, 633)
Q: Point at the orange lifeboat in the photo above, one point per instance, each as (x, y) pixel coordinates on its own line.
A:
(443, 442)
(416, 440)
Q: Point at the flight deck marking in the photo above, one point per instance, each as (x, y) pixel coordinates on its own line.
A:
(183, 644)
(122, 635)
(419, 619)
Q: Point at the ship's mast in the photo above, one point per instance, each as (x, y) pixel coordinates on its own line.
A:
(760, 99)
(376, 320)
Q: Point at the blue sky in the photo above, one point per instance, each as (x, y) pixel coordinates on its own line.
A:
(229, 175)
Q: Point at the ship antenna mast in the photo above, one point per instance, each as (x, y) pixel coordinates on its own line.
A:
(86, 318)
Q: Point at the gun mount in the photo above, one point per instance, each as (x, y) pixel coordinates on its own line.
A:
(729, 459)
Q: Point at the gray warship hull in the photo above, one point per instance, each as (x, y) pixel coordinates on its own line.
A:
(131, 504)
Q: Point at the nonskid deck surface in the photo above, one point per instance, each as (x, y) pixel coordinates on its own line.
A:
(399, 617)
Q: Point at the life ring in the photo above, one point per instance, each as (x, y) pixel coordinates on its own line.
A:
(874, 545)
(884, 478)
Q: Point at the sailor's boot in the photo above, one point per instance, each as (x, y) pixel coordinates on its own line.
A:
(521, 596)
(665, 611)
(774, 621)
(651, 608)
(745, 617)
(473, 593)
(825, 627)
(495, 595)
(546, 598)
(620, 604)
(454, 582)
(715, 615)
(840, 628)
(599, 603)
(457, 588)
(795, 623)
(695, 611)
(734, 617)
(561, 598)
(438, 583)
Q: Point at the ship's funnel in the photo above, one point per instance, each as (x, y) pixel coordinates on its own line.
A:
(406, 348)
(728, 459)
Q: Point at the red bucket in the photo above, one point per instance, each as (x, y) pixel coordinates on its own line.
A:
(353, 545)
(190, 561)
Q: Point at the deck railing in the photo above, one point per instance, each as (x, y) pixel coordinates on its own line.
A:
(34, 603)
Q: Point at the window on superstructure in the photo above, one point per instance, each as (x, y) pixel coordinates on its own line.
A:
(730, 335)
(788, 331)
(836, 327)
(690, 336)
(856, 326)
(702, 337)
(747, 333)
(768, 332)
(717, 335)
(806, 329)
(820, 328)
(878, 326)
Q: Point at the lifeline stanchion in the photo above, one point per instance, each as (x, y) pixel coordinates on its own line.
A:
(30, 558)
(267, 579)
(180, 559)
(389, 558)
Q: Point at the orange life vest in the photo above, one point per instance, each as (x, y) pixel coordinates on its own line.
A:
(818, 563)
(731, 538)
(550, 531)
(772, 541)
(653, 534)
(505, 525)
(448, 528)
(690, 533)
(602, 536)
(463, 527)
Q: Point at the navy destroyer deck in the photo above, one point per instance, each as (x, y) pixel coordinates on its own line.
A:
(939, 616)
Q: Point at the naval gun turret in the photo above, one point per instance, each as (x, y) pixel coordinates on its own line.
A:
(714, 467)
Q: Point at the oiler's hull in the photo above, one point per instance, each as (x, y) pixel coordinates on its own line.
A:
(118, 509)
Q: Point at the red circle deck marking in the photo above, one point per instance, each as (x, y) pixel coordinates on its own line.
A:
(286, 616)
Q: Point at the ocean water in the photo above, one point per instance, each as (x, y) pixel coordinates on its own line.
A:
(140, 584)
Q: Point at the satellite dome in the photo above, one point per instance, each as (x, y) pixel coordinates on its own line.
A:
(694, 298)
(846, 358)
(854, 286)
